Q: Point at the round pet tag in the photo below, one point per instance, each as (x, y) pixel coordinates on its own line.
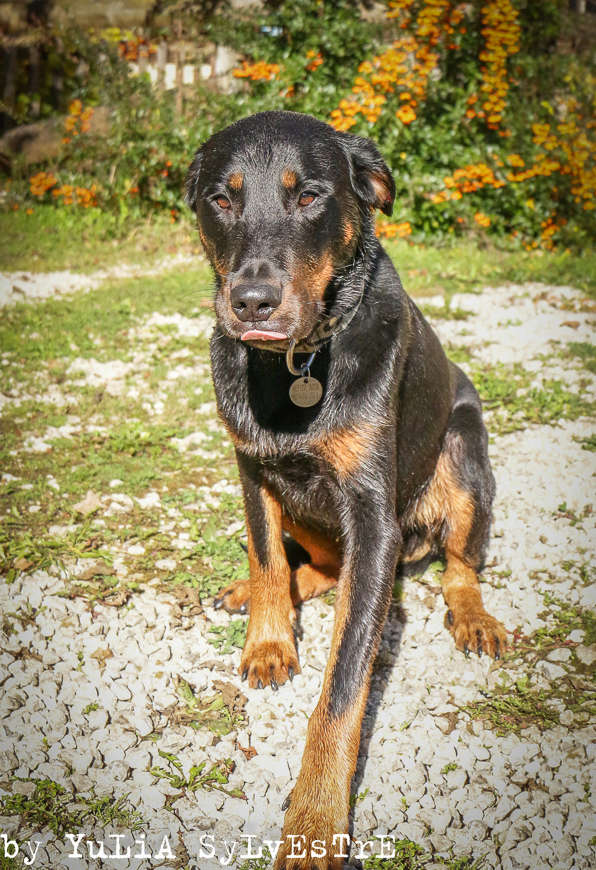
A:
(306, 392)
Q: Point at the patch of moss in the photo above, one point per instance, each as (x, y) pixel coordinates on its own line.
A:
(506, 391)
(52, 806)
(512, 707)
(585, 352)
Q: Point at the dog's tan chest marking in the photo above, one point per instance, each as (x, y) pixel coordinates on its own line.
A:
(347, 449)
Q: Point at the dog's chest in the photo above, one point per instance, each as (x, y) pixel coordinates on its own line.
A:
(307, 493)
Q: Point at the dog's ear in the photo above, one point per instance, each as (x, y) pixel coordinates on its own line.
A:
(369, 174)
(192, 181)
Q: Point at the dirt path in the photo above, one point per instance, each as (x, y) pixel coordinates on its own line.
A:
(121, 707)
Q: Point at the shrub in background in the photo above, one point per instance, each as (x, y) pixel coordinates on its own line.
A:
(487, 127)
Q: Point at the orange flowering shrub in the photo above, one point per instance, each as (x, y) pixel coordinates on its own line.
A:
(502, 34)
(486, 125)
(78, 195)
(315, 59)
(68, 194)
(41, 182)
(259, 71)
(405, 68)
(77, 121)
(135, 48)
(402, 70)
(525, 190)
(390, 230)
(481, 219)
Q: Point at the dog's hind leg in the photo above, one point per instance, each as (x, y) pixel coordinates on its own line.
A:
(457, 503)
(307, 580)
(320, 574)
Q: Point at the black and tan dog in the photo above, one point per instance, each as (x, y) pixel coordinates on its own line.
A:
(354, 434)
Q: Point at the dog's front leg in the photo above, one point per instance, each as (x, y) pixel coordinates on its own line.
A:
(317, 819)
(269, 656)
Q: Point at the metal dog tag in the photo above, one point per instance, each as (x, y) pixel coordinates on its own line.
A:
(306, 392)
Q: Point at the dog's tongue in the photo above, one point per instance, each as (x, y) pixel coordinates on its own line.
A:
(262, 335)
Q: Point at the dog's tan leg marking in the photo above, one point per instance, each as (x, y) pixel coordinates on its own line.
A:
(316, 577)
(471, 626)
(320, 800)
(269, 654)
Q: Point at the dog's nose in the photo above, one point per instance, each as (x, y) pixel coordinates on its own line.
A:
(254, 302)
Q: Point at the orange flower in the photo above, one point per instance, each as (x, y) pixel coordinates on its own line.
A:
(315, 58)
(259, 71)
(406, 114)
(391, 230)
(482, 219)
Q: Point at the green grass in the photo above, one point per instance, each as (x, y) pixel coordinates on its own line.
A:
(213, 778)
(98, 324)
(411, 856)
(226, 638)
(565, 619)
(407, 855)
(43, 241)
(466, 267)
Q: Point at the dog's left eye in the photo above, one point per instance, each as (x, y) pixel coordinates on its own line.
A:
(223, 202)
(306, 198)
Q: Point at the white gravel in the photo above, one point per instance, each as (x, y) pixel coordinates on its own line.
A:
(32, 286)
(82, 691)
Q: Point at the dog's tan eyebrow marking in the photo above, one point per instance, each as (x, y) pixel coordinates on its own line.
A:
(236, 180)
(288, 178)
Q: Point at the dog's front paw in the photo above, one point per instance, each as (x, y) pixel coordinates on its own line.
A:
(477, 631)
(269, 662)
(311, 840)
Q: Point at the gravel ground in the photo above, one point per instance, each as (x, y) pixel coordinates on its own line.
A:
(88, 693)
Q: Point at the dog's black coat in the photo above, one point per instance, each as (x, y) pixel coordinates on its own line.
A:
(385, 374)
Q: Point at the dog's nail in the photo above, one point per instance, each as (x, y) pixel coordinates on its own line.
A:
(479, 645)
(243, 608)
(245, 673)
(217, 603)
(259, 685)
(286, 803)
(449, 617)
(274, 685)
(466, 651)
(497, 648)
(291, 673)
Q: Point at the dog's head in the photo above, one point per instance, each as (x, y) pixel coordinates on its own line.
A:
(282, 203)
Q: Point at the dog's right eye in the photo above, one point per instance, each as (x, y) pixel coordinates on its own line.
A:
(306, 198)
(223, 202)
